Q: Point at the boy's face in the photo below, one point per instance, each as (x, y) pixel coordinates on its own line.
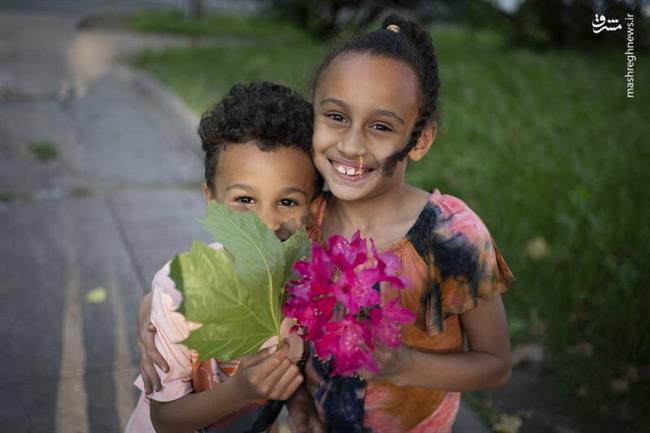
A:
(277, 185)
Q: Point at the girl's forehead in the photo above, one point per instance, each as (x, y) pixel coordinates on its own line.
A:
(364, 78)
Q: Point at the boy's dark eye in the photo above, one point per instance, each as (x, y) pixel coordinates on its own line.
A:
(244, 199)
(288, 202)
(336, 117)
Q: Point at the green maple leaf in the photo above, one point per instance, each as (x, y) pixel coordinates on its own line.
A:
(235, 292)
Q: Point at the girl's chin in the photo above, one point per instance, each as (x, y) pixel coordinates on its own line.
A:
(348, 192)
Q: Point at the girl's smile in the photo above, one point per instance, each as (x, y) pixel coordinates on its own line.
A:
(350, 170)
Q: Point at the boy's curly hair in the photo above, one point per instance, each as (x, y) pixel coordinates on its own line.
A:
(270, 115)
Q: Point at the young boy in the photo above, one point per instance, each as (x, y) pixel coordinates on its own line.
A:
(257, 144)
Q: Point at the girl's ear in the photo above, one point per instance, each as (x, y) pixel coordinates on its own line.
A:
(425, 141)
(207, 194)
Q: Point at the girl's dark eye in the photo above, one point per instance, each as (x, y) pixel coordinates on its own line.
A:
(288, 202)
(244, 199)
(381, 127)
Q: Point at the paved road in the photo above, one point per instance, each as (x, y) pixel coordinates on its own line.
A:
(121, 198)
(83, 234)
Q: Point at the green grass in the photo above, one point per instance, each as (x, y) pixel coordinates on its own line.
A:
(214, 25)
(43, 150)
(6, 197)
(541, 145)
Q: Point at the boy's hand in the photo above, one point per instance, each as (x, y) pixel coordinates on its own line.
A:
(149, 356)
(268, 375)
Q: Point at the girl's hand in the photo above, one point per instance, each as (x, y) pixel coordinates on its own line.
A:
(302, 414)
(393, 363)
(149, 356)
(268, 375)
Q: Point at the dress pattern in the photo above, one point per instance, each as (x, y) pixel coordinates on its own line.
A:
(452, 262)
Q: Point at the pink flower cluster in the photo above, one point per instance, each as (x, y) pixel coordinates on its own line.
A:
(337, 302)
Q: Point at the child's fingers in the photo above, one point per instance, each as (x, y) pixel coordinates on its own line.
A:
(157, 359)
(150, 378)
(148, 342)
(316, 425)
(298, 420)
(148, 371)
(282, 379)
(256, 358)
(290, 386)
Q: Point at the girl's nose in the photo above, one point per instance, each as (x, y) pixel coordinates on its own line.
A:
(352, 144)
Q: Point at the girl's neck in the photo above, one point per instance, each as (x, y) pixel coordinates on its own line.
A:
(374, 216)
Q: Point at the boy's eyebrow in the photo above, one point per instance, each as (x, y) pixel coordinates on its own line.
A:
(294, 189)
(379, 111)
(238, 185)
(288, 190)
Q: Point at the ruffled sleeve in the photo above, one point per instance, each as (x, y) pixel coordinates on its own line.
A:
(464, 263)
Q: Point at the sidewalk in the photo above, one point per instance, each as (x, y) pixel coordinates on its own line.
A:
(84, 232)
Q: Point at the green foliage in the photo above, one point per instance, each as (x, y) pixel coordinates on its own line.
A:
(567, 23)
(235, 292)
(43, 150)
(542, 145)
(232, 26)
(203, 75)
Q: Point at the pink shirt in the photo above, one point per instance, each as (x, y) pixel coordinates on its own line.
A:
(184, 367)
(171, 329)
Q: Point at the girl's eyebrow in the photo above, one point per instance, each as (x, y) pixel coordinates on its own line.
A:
(335, 101)
(378, 111)
(390, 114)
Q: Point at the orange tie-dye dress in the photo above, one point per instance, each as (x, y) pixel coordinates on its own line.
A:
(452, 262)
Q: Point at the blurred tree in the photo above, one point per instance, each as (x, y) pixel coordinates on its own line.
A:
(567, 23)
(536, 23)
(325, 19)
(194, 9)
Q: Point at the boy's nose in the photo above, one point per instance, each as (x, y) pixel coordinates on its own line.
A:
(271, 219)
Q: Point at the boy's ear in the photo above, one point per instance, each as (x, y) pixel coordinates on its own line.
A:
(425, 141)
(207, 194)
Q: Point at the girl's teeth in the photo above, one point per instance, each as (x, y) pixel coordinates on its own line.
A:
(348, 171)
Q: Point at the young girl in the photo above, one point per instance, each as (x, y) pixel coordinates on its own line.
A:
(375, 102)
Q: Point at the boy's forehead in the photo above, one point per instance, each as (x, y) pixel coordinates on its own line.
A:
(282, 167)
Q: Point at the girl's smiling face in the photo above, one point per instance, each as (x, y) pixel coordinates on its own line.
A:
(364, 110)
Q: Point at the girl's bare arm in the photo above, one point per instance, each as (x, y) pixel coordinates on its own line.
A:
(485, 365)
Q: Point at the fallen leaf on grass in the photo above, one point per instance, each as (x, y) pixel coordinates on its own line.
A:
(530, 352)
(507, 424)
(619, 386)
(584, 349)
(537, 248)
